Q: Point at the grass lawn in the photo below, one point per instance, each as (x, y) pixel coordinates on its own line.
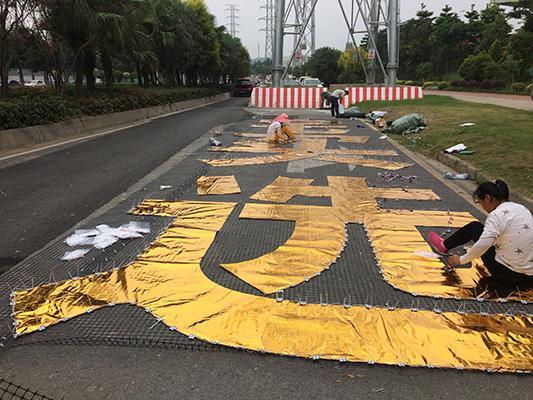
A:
(502, 138)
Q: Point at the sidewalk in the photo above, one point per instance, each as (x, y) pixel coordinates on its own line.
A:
(505, 100)
(296, 198)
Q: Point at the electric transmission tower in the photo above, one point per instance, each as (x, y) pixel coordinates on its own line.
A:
(301, 10)
(269, 27)
(360, 17)
(233, 17)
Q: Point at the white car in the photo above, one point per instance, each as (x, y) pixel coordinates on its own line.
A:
(34, 83)
(311, 82)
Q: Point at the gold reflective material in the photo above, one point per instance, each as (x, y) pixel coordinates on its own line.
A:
(341, 138)
(315, 244)
(366, 162)
(209, 185)
(239, 162)
(265, 146)
(393, 234)
(303, 149)
(167, 281)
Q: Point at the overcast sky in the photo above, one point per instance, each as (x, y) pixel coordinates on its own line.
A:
(330, 28)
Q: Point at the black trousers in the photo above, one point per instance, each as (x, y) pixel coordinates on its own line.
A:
(334, 106)
(472, 232)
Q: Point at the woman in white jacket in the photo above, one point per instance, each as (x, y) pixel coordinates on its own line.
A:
(504, 243)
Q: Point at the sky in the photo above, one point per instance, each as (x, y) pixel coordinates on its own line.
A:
(330, 27)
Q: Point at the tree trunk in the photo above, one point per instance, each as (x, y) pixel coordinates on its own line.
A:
(89, 64)
(79, 75)
(4, 64)
(21, 75)
(107, 65)
(139, 75)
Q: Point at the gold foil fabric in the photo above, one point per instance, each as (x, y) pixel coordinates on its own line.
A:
(366, 162)
(393, 234)
(211, 185)
(303, 149)
(168, 282)
(315, 244)
(340, 138)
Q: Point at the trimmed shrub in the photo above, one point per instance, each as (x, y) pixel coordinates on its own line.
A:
(444, 85)
(492, 84)
(27, 107)
(409, 83)
(471, 84)
(458, 84)
(400, 82)
(529, 88)
(518, 87)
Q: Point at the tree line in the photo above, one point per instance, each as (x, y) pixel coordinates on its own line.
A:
(159, 42)
(480, 45)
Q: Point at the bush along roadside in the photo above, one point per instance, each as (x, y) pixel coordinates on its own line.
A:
(30, 107)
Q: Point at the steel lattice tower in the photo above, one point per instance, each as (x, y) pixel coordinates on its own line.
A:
(302, 10)
(233, 17)
(269, 27)
(360, 17)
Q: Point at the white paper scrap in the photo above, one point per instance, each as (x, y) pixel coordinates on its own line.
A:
(78, 240)
(136, 226)
(104, 241)
(74, 255)
(456, 148)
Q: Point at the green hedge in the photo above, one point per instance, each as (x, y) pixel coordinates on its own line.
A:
(30, 107)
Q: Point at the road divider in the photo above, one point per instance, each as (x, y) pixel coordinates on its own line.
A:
(14, 139)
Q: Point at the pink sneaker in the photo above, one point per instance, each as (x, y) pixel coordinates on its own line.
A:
(437, 243)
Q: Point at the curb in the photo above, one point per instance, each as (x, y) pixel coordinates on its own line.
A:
(15, 139)
(477, 176)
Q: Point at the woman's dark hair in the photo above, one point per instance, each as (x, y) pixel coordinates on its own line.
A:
(497, 190)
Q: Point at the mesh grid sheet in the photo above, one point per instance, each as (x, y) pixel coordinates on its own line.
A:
(353, 280)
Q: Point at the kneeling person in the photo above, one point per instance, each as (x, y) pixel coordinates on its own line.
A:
(279, 130)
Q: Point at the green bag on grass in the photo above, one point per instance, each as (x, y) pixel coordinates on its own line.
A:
(410, 123)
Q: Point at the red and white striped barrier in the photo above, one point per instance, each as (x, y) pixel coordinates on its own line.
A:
(311, 98)
(385, 93)
(296, 97)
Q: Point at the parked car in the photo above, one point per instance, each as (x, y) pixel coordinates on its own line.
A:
(14, 83)
(35, 83)
(311, 82)
(291, 83)
(243, 87)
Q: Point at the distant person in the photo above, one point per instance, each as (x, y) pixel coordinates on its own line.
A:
(279, 131)
(326, 99)
(335, 98)
(505, 243)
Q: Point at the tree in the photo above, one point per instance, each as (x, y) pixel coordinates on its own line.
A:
(520, 49)
(447, 36)
(415, 48)
(235, 60)
(479, 67)
(350, 66)
(495, 26)
(424, 70)
(324, 65)
(13, 15)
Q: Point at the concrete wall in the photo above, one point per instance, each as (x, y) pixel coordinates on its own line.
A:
(14, 139)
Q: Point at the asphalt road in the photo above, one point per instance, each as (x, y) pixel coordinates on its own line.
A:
(42, 197)
(117, 373)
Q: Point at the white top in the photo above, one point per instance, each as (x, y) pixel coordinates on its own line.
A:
(339, 93)
(271, 133)
(510, 229)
